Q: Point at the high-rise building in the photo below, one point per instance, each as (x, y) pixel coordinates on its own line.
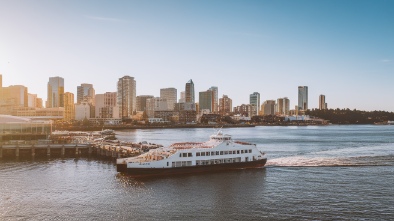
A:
(32, 100)
(268, 107)
(106, 106)
(322, 102)
(85, 92)
(303, 98)
(15, 96)
(69, 106)
(206, 100)
(283, 106)
(182, 99)
(225, 105)
(170, 94)
(141, 102)
(254, 99)
(215, 101)
(189, 92)
(126, 97)
(55, 91)
(155, 104)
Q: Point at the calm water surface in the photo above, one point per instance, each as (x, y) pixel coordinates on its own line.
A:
(313, 173)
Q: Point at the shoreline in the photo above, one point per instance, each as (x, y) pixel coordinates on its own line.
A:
(128, 127)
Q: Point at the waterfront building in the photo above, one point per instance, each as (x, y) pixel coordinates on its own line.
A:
(85, 92)
(189, 92)
(206, 100)
(254, 99)
(268, 107)
(19, 128)
(225, 105)
(283, 106)
(126, 97)
(215, 99)
(106, 105)
(169, 94)
(55, 91)
(303, 98)
(15, 96)
(54, 113)
(322, 102)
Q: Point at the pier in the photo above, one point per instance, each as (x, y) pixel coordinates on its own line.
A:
(108, 149)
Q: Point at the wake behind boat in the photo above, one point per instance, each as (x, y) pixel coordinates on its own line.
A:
(220, 152)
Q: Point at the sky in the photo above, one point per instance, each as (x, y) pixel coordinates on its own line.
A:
(343, 49)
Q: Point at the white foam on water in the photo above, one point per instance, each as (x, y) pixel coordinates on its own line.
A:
(380, 155)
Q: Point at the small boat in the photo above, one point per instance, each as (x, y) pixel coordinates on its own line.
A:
(219, 153)
(107, 132)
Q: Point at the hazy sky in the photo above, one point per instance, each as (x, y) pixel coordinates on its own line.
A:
(341, 48)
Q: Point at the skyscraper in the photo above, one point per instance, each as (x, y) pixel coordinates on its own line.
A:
(126, 96)
(189, 92)
(225, 105)
(303, 98)
(55, 92)
(170, 94)
(206, 100)
(105, 105)
(268, 107)
(254, 99)
(215, 99)
(69, 108)
(85, 92)
(283, 106)
(322, 102)
(141, 102)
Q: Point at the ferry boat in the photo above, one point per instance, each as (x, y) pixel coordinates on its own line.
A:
(220, 152)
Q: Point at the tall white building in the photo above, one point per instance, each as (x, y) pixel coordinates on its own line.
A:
(170, 94)
(303, 98)
(55, 92)
(183, 97)
(126, 97)
(254, 99)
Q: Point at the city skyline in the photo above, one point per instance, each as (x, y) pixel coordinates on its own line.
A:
(343, 50)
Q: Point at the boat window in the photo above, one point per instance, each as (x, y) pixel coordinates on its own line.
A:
(202, 153)
(198, 154)
(221, 152)
(208, 153)
(184, 154)
(225, 152)
(242, 151)
(180, 155)
(213, 153)
(189, 154)
(173, 164)
(168, 163)
(250, 151)
(217, 152)
(234, 152)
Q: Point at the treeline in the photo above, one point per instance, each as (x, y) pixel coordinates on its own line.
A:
(347, 116)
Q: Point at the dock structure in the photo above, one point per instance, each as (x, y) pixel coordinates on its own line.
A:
(26, 149)
(104, 149)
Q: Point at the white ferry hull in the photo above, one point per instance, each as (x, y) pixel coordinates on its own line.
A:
(138, 172)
